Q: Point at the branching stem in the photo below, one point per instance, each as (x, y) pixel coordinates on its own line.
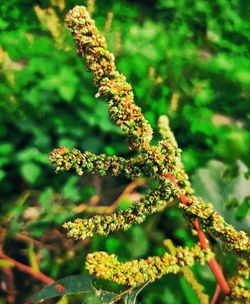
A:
(213, 264)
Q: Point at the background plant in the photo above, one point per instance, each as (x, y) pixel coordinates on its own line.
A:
(42, 79)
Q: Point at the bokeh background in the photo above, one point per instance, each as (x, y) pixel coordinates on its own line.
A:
(187, 59)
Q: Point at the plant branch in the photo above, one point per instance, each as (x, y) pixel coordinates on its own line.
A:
(216, 294)
(213, 264)
(161, 162)
(137, 272)
(24, 268)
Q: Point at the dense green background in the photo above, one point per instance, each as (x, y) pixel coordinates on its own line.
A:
(187, 59)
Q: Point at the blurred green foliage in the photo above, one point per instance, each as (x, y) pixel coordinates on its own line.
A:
(187, 59)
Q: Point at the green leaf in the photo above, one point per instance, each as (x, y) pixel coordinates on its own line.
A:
(46, 197)
(243, 209)
(70, 190)
(4, 160)
(236, 145)
(100, 118)
(137, 236)
(32, 154)
(6, 148)
(113, 244)
(67, 142)
(199, 119)
(130, 298)
(31, 172)
(65, 286)
(228, 193)
(85, 284)
(99, 297)
(64, 82)
(67, 92)
(3, 24)
(37, 228)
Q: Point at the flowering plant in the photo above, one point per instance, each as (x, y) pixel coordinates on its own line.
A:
(161, 162)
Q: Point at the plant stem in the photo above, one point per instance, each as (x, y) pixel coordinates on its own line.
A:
(36, 274)
(216, 294)
(213, 264)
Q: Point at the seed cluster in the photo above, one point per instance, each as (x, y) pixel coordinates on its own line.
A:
(189, 276)
(112, 84)
(66, 159)
(155, 163)
(161, 162)
(240, 293)
(154, 201)
(137, 272)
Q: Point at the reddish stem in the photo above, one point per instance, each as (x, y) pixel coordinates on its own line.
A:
(216, 294)
(38, 275)
(213, 264)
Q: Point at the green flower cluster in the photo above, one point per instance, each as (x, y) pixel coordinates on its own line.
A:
(154, 201)
(137, 272)
(189, 276)
(66, 159)
(112, 85)
(169, 148)
(153, 163)
(239, 291)
(161, 162)
(237, 241)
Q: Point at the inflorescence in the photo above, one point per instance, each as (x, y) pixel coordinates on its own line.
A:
(137, 272)
(161, 162)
